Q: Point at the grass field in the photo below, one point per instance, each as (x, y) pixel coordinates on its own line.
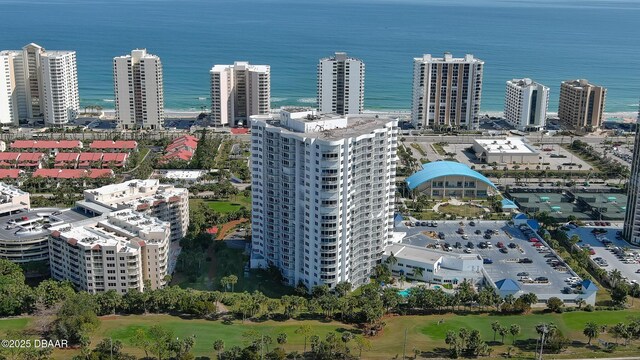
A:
(231, 204)
(426, 333)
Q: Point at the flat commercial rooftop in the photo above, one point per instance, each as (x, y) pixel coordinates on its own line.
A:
(34, 220)
(510, 145)
(356, 125)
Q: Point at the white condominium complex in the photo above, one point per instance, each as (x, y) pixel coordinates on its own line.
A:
(38, 84)
(446, 92)
(118, 252)
(138, 87)
(323, 189)
(165, 202)
(525, 104)
(341, 85)
(631, 230)
(581, 104)
(239, 91)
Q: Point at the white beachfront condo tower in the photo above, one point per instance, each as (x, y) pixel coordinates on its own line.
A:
(239, 91)
(525, 104)
(341, 85)
(38, 84)
(323, 189)
(139, 92)
(446, 92)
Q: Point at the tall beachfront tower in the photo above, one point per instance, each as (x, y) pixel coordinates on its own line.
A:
(38, 84)
(341, 85)
(323, 189)
(139, 91)
(632, 217)
(525, 104)
(239, 91)
(446, 92)
(9, 113)
(581, 104)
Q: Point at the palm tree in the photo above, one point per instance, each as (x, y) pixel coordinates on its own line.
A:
(233, 280)
(503, 331)
(591, 330)
(418, 272)
(495, 326)
(282, 338)
(218, 346)
(391, 260)
(580, 302)
(514, 330)
(615, 276)
(304, 330)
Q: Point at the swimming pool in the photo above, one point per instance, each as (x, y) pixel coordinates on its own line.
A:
(404, 293)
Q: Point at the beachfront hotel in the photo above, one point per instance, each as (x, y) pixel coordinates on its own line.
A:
(118, 251)
(631, 230)
(139, 92)
(323, 189)
(38, 84)
(446, 92)
(581, 104)
(525, 104)
(239, 91)
(341, 85)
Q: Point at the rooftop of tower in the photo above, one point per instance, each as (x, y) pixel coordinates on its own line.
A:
(329, 126)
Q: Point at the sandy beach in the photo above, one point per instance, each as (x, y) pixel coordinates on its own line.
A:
(624, 116)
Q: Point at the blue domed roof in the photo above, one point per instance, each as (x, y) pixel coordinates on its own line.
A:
(436, 169)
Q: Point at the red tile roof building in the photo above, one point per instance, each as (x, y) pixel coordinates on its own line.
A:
(46, 144)
(66, 160)
(73, 173)
(119, 145)
(114, 159)
(87, 159)
(9, 173)
(181, 149)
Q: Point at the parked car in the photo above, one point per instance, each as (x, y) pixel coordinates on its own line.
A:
(460, 231)
(441, 235)
(487, 261)
(523, 273)
(500, 244)
(472, 223)
(542, 279)
(470, 245)
(487, 236)
(478, 232)
(526, 261)
(513, 245)
(504, 250)
(458, 245)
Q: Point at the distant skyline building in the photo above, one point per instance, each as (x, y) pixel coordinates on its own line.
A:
(239, 91)
(446, 92)
(139, 90)
(340, 85)
(581, 104)
(38, 84)
(631, 230)
(323, 192)
(525, 104)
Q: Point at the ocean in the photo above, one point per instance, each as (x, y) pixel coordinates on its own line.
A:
(548, 41)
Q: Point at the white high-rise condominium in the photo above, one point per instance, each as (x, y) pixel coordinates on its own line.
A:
(239, 91)
(8, 88)
(341, 85)
(39, 84)
(446, 92)
(631, 230)
(138, 88)
(525, 104)
(323, 189)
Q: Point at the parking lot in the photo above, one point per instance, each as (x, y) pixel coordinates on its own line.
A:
(536, 274)
(611, 249)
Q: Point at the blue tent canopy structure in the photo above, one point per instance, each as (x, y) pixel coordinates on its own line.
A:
(438, 169)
